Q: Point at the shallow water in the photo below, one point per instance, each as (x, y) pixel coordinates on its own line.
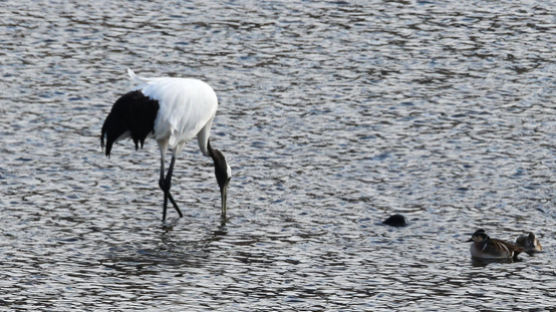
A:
(332, 115)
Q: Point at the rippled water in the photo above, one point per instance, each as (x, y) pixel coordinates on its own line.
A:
(333, 116)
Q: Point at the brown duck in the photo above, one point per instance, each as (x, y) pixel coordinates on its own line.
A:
(484, 247)
(529, 243)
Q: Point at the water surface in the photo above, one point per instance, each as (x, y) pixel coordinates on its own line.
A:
(332, 115)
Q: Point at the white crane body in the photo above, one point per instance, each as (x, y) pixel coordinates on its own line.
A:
(173, 111)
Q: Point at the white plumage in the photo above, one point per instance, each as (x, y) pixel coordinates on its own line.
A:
(187, 106)
(174, 111)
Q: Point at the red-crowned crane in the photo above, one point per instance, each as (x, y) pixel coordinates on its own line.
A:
(174, 111)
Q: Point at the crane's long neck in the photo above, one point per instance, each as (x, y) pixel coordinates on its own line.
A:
(222, 171)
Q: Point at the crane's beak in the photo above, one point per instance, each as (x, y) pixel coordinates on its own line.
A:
(224, 195)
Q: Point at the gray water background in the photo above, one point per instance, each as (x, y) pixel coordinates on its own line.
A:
(333, 115)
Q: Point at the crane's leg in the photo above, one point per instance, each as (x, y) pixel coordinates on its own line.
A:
(165, 184)
(169, 184)
(162, 186)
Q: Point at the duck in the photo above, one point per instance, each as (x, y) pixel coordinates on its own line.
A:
(529, 243)
(395, 220)
(484, 247)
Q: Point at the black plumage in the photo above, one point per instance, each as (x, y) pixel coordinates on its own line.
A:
(133, 113)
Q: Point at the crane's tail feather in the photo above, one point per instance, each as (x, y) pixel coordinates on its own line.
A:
(135, 78)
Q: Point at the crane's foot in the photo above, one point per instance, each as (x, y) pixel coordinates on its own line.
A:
(169, 224)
